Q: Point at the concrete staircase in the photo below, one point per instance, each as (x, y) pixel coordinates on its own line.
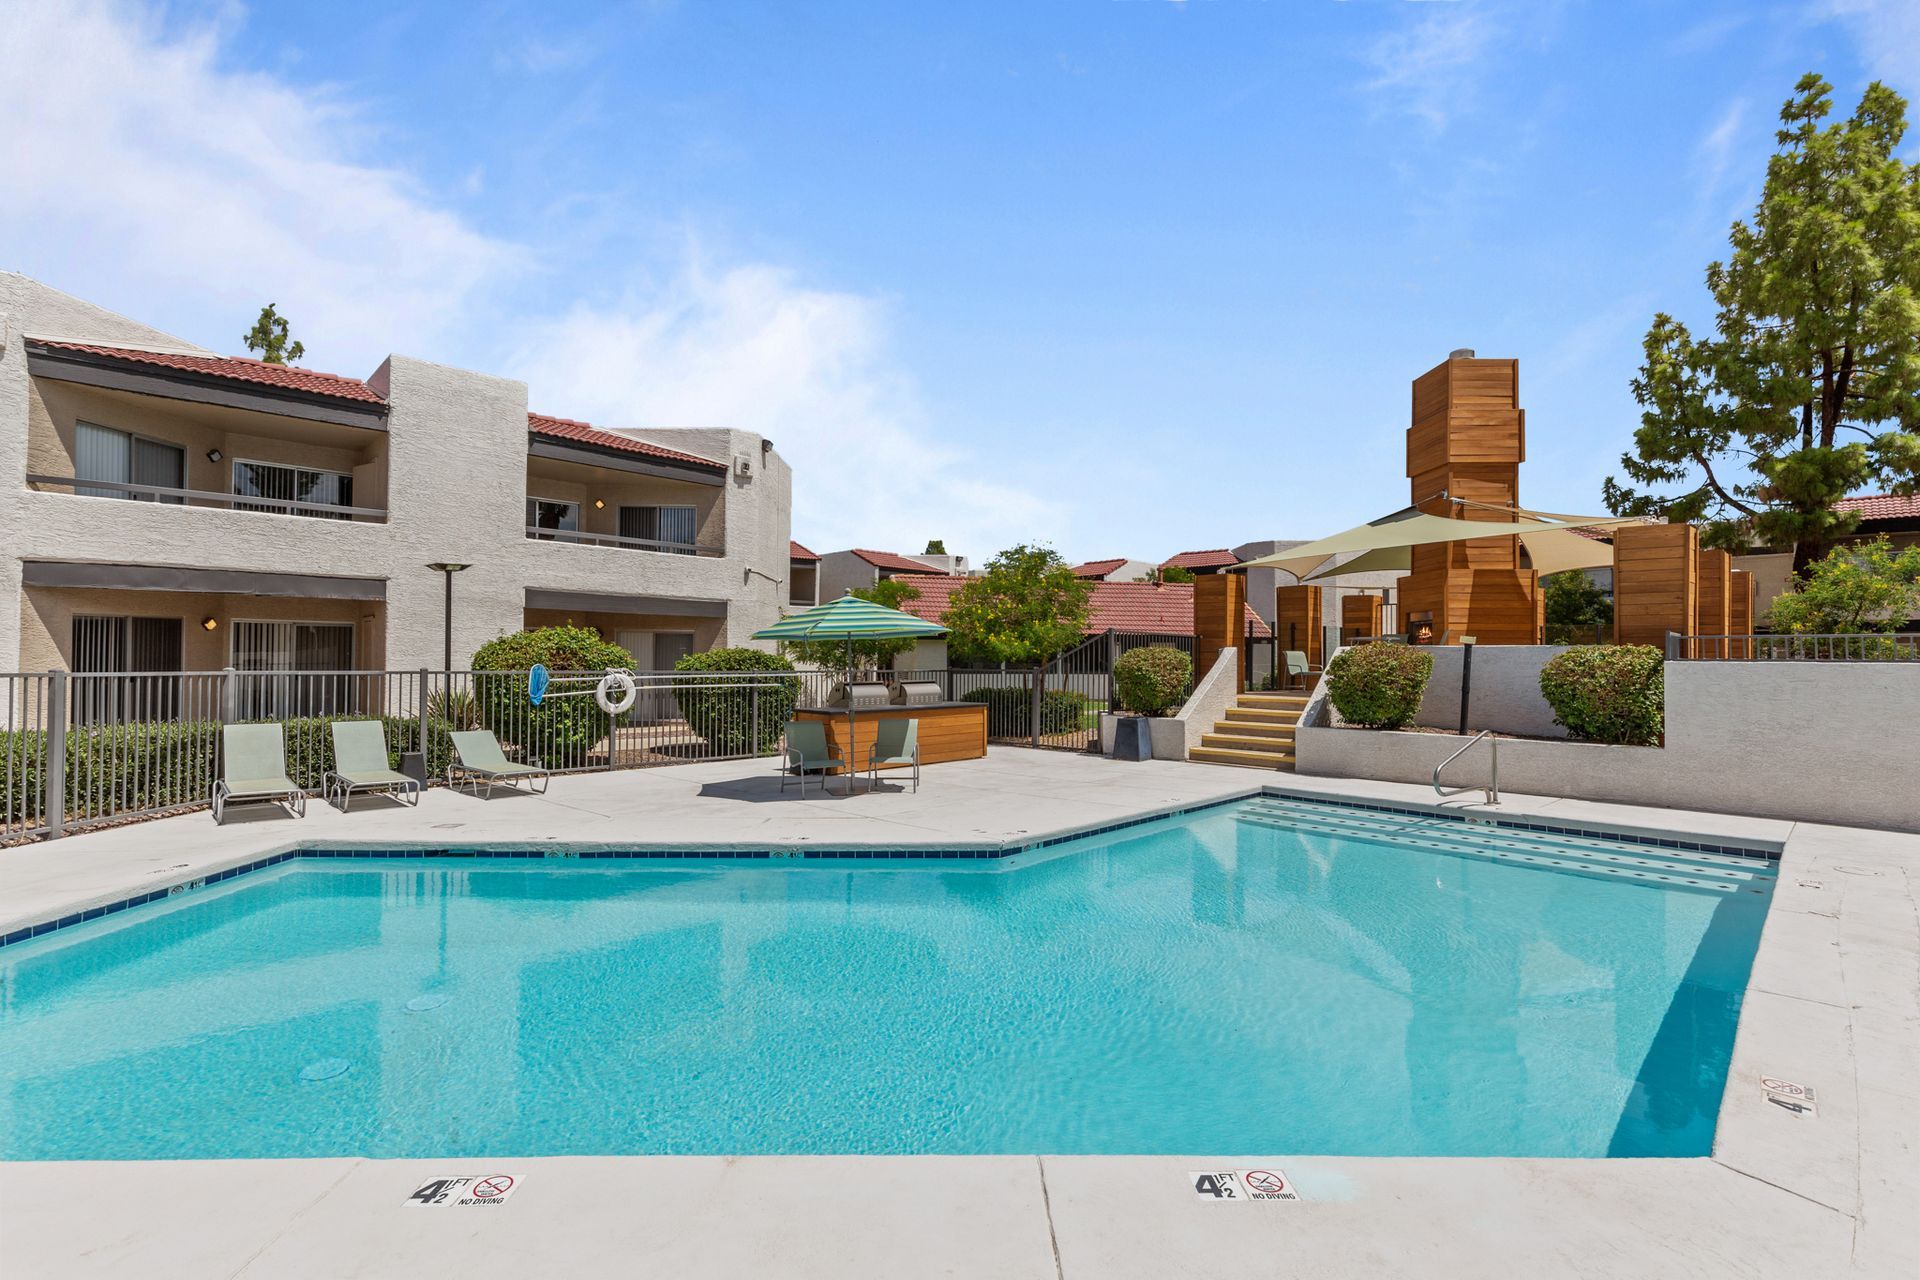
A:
(1257, 733)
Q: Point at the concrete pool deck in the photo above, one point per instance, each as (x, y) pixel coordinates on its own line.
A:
(1833, 1003)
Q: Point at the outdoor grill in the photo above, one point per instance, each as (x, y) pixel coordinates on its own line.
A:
(861, 693)
(914, 693)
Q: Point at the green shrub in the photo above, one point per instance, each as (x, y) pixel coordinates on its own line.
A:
(1379, 686)
(1608, 693)
(560, 732)
(1152, 680)
(1010, 711)
(745, 718)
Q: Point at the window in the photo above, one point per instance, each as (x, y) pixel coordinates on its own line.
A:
(803, 583)
(120, 458)
(283, 483)
(673, 525)
(551, 513)
(119, 646)
(300, 649)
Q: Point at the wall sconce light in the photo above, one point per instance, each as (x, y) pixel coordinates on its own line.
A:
(599, 504)
(209, 624)
(214, 455)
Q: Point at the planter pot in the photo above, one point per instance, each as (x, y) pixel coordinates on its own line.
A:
(1108, 719)
(1132, 738)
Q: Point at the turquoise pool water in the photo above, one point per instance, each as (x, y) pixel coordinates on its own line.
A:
(1265, 978)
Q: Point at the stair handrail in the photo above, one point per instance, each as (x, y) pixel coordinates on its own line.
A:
(1493, 778)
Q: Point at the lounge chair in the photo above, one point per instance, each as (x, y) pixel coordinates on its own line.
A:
(253, 766)
(477, 758)
(360, 764)
(1297, 666)
(806, 749)
(895, 742)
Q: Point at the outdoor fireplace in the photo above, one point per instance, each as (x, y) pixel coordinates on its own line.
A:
(1419, 628)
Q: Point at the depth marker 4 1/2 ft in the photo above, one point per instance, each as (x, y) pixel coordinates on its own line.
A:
(464, 1192)
(1237, 1186)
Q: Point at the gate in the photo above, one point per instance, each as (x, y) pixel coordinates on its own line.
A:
(1076, 685)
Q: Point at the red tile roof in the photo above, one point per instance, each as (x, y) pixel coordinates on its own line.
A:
(1881, 506)
(893, 563)
(1097, 568)
(541, 424)
(1140, 608)
(797, 552)
(1218, 558)
(233, 368)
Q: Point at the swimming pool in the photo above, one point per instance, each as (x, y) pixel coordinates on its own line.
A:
(1267, 977)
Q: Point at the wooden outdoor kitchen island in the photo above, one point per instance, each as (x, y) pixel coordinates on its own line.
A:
(948, 730)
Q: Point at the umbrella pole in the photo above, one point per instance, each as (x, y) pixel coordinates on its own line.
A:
(852, 770)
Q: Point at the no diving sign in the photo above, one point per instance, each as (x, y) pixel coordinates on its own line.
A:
(1237, 1186)
(489, 1189)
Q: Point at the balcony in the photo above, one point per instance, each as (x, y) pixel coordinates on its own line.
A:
(672, 548)
(171, 496)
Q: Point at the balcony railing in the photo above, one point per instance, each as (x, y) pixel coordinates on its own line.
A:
(615, 540)
(122, 490)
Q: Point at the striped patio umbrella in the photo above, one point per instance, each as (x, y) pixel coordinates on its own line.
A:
(850, 618)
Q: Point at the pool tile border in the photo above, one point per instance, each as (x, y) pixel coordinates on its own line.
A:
(928, 853)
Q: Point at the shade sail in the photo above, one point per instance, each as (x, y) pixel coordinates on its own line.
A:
(850, 618)
(1549, 550)
(1411, 527)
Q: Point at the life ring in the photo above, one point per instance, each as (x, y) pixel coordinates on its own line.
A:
(616, 692)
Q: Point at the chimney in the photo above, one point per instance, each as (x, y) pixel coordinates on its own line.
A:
(1460, 353)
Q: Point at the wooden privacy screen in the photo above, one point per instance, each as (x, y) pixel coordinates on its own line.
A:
(1712, 608)
(1296, 621)
(1740, 606)
(1360, 616)
(1219, 621)
(1467, 441)
(1656, 582)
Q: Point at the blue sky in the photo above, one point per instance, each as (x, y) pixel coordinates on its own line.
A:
(1126, 277)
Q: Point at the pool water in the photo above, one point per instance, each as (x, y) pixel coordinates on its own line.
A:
(1271, 977)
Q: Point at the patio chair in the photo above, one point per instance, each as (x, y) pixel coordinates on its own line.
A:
(253, 766)
(1297, 666)
(360, 764)
(477, 758)
(806, 748)
(895, 742)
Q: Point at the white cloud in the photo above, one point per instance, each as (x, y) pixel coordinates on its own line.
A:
(1714, 154)
(1888, 32)
(753, 348)
(136, 164)
(1429, 68)
(145, 174)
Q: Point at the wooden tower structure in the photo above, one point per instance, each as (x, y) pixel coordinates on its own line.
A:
(1465, 447)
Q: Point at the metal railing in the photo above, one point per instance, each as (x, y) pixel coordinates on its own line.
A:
(1493, 777)
(166, 496)
(1855, 647)
(84, 749)
(539, 534)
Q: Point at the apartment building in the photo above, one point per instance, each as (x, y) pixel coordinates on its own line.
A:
(167, 508)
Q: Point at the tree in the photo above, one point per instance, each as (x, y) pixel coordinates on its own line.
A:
(935, 547)
(1817, 334)
(1869, 586)
(892, 593)
(1576, 604)
(1175, 573)
(270, 337)
(1023, 610)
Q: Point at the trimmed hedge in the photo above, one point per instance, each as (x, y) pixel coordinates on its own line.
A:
(1010, 711)
(560, 732)
(1152, 680)
(1608, 693)
(1379, 686)
(728, 718)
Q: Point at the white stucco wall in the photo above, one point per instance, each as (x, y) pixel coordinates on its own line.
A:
(1505, 692)
(456, 445)
(1818, 742)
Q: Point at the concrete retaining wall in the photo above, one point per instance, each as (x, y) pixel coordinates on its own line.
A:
(1506, 690)
(1205, 707)
(1817, 742)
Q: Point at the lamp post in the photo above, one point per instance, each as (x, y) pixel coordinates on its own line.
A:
(449, 570)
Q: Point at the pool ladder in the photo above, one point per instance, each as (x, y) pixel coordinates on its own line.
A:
(1493, 778)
